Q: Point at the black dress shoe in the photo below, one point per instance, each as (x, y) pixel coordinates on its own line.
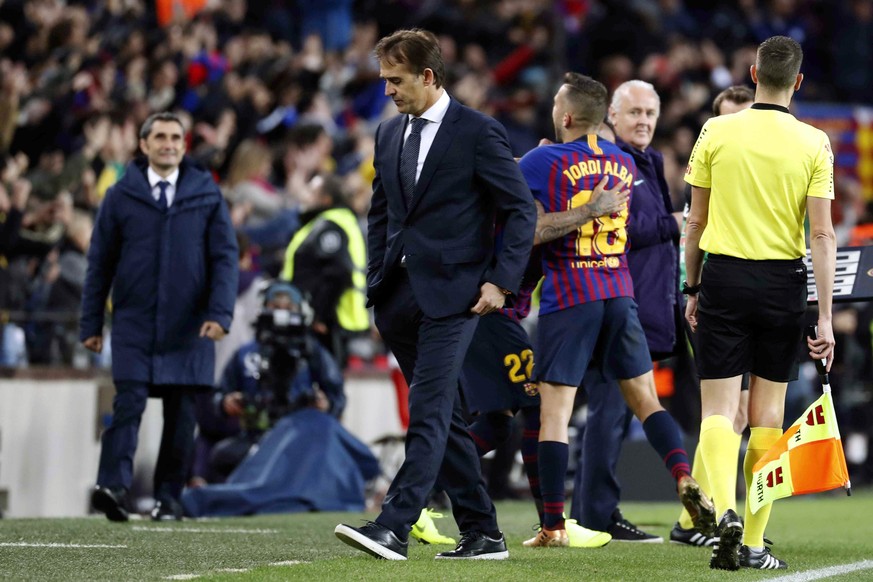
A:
(167, 510)
(111, 501)
(475, 545)
(373, 538)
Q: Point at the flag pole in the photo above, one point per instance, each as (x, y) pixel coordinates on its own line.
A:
(821, 366)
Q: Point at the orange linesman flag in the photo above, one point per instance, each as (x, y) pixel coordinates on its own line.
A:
(808, 458)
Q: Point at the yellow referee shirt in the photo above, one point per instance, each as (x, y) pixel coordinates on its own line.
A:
(760, 164)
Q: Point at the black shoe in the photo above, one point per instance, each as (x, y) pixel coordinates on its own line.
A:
(167, 510)
(725, 552)
(373, 538)
(690, 537)
(624, 531)
(475, 545)
(760, 559)
(111, 501)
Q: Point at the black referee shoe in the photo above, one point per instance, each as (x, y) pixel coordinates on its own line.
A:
(725, 552)
(760, 559)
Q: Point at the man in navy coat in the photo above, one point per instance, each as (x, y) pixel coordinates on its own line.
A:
(164, 244)
(443, 175)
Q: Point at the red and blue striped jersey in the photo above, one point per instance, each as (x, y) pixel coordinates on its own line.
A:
(590, 263)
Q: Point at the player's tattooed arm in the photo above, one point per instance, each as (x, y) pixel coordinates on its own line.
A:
(553, 225)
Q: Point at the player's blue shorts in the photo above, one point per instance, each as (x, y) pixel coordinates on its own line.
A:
(497, 370)
(607, 334)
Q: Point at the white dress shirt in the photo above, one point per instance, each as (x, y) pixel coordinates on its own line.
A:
(154, 178)
(434, 117)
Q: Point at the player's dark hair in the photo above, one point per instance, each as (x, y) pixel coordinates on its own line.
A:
(587, 97)
(416, 48)
(738, 94)
(778, 62)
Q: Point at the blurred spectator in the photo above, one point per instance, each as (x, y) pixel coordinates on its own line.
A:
(853, 54)
(248, 182)
(299, 77)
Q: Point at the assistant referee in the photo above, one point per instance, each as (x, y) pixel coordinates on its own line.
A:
(754, 176)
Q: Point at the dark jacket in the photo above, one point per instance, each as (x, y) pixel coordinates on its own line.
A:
(447, 233)
(169, 272)
(653, 257)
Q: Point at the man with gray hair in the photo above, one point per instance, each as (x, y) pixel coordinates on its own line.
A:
(164, 245)
(654, 266)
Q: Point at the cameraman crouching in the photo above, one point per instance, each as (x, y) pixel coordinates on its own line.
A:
(283, 370)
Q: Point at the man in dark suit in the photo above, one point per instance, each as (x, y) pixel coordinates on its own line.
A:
(443, 175)
(164, 244)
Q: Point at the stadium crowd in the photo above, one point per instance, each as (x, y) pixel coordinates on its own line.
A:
(276, 92)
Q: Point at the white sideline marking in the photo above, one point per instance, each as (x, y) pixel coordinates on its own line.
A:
(48, 545)
(822, 573)
(233, 570)
(204, 530)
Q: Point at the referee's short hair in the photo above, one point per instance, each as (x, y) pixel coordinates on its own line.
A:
(778, 62)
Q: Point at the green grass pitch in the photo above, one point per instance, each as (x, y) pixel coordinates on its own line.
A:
(810, 533)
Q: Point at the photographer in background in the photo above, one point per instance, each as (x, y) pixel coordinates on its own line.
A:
(282, 370)
(284, 392)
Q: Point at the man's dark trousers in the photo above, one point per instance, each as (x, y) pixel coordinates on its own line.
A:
(438, 447)
(119, 441)
(596, 490)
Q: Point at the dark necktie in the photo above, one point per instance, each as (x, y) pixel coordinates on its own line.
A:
(409, 159)
(162, 198)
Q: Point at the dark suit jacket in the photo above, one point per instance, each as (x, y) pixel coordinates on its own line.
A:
(447, 234)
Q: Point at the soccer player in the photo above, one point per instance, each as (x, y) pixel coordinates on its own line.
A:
(755, 175)
(496, 376)
(496, 380)
(732, 100)
(587, 311)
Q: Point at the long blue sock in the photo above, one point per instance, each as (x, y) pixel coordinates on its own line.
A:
(553, 467)
(489, 431)
(663, 434)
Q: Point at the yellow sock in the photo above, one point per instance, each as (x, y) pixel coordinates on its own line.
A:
(717, 438)
(759, 443)
(698, 471)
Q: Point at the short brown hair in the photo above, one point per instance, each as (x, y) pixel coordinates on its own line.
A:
(587, 96)
(778, 62)
(416, 48)
(738, 94)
